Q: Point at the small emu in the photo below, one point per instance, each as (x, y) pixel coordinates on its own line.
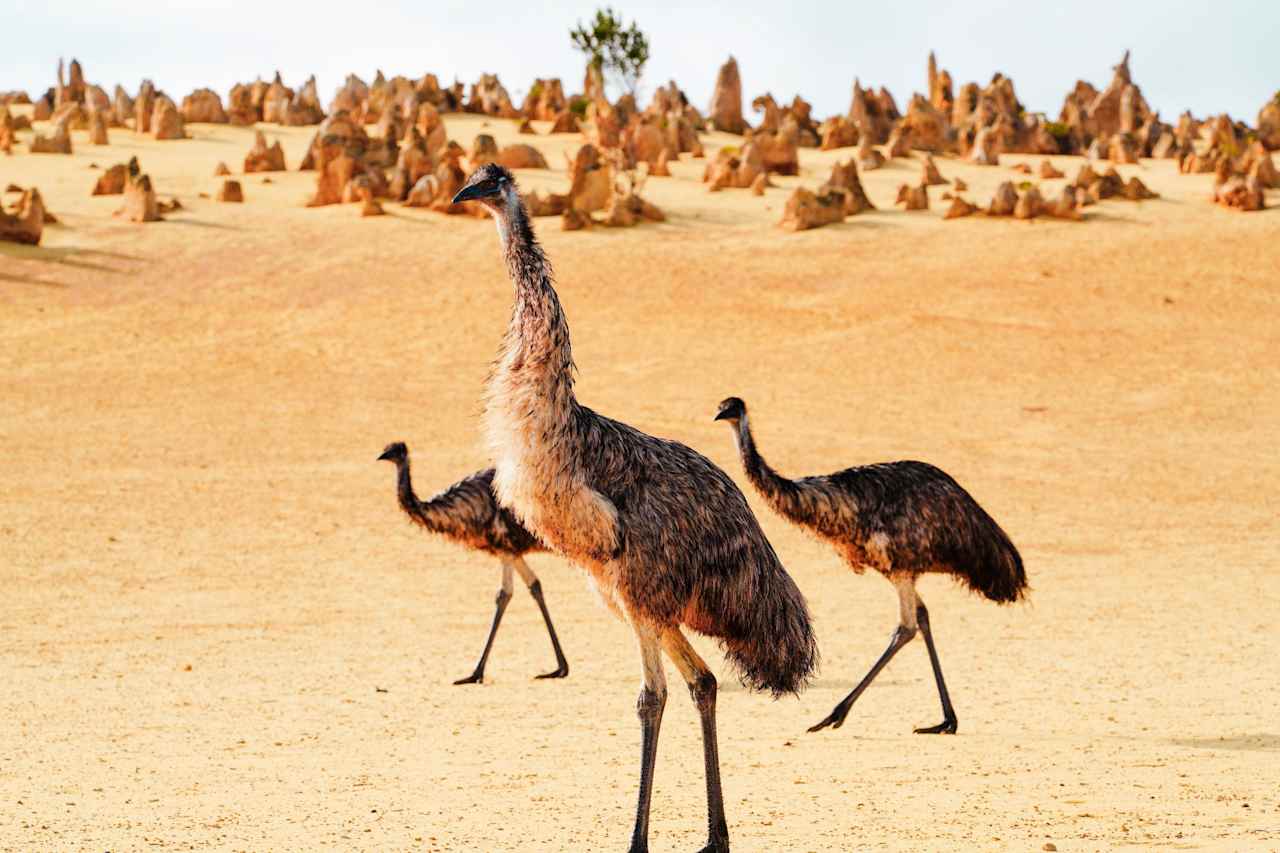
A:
(903, 519)
(667, 536)
(467, 513)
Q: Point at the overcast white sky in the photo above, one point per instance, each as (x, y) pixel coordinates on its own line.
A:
(1205, 56)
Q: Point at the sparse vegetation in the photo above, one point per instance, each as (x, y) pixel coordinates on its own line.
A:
(1058, 130)
(617, 51)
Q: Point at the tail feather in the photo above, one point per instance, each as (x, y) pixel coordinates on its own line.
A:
(996, 569)
(771, 642)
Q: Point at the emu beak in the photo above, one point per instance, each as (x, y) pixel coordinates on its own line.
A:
(721, 416)
(468, 193)
(386, 454)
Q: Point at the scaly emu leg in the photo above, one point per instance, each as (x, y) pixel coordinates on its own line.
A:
(702, 687)
(653, 698)
(949, 722)
(902, 635)
(504, 596)
(535, 589)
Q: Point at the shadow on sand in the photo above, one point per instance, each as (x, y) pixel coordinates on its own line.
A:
(177, 219)
(29, 279)
(1248, 743)
(70, 256)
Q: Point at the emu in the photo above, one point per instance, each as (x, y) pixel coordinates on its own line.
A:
(467, 513)
(903, 519)
(667, 537)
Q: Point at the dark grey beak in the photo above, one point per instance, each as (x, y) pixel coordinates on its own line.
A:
(722, 416)
(386, 454)
(470, 193)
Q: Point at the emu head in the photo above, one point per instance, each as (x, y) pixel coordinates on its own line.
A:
(732, 410)
(395, 452)
(492, 186)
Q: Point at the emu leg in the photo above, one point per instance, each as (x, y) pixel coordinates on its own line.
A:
(702, 687)
(653, 698)
(535, 589)
(901, 636)
(949, 722)
(504, 596)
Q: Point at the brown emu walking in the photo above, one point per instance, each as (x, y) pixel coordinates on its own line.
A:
(467, 513)
(903, 519)
(666, 535)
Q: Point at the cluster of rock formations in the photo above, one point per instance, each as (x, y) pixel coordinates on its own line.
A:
(1239, 159)
(140, 202)
(1028, 204)
(274, 103)
(1024, 201)
(599, 183)
(23, 221)
(263, 157)
(842, 195)
(386, 140)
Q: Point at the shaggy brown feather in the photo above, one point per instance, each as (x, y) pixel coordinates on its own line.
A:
(660, 527)
(466, 512)
(894, 517)
(666, 535)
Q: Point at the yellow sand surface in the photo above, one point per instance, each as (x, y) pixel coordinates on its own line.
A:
(219, 633)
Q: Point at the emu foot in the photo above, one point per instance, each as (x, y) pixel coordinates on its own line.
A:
(946, 727)
(835, 719)
(473, 678)
(561, 671)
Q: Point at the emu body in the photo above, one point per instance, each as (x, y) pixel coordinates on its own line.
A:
(667, 536)
(902, 519)
(468, 514)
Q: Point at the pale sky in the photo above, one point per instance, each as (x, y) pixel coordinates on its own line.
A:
(1207, 57)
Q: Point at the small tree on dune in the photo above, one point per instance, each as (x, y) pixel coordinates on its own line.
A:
(613, 48)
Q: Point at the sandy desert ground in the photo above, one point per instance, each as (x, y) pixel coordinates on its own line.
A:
(220, 634)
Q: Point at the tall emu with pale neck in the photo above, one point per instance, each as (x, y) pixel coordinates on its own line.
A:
(468, 513)
(666, 535)
(903, 519)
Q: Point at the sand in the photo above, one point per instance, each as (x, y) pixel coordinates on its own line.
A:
(219, 633)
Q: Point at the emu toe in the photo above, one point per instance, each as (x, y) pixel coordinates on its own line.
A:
(946, 727)
(473, 678)
(561, 672)
(835, 719)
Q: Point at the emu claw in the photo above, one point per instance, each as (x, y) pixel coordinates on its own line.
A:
(473, 678)
(946, 727)
(561, 672)
(835, 719)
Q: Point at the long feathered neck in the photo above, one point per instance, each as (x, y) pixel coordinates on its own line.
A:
(776, 489)
(537, 341)
(425, 514)
(531, 416)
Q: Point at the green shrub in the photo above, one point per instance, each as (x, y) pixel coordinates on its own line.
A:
(1057, 129)
(611, 47)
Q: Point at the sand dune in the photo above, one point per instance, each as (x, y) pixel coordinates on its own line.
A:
(209, 586)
